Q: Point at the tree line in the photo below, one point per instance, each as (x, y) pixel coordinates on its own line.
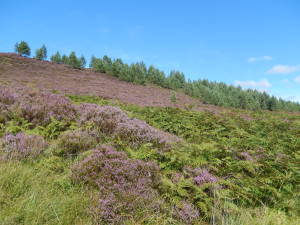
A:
(216, 93)
(23, 49)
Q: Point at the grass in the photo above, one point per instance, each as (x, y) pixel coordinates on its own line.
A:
(41, 192)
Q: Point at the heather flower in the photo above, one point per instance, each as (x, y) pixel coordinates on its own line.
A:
(205, 177)
(201, 176)
(21, 146)
(7, 97)
(105, 118)
(125, 185)
(112, 120)
(138, 132)
(39, 109)
(76, 141)
(186, 212)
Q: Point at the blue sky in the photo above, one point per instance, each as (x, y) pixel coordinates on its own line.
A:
(254, 43)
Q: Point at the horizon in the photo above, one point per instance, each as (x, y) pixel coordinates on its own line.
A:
(253, 45)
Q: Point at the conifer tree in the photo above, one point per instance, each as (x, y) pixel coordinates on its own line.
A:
(22, 48)
(56, 58)
(82, 62)
(41, 53)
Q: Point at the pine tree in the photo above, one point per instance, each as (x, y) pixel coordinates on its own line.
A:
(82, 62)
(56, 58)
(22, 48)
(41, 53)
(65, 59)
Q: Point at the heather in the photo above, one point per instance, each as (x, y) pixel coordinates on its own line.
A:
(71, 143)
(111, 120)
(21, 146)
(86, 160)
(39, 109)
(125, 186)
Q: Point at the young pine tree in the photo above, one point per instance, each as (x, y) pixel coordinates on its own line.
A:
(65, 59)
(74, 61)
(56, 58)
(41, 53)
(22, 48)
(82, 62)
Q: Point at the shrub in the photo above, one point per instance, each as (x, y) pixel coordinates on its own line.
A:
(7, 96)
(125, 185)
(22, 146)
(112, 120)
(7, 99)
(104, 118)
(39, 109)
(75, 141)
(138, 132)
(201, 176)
(186, 212)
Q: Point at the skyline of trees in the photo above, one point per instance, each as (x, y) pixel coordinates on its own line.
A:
(210, 92)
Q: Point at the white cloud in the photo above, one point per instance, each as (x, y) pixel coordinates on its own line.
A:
(261, 85)
(297, 79)
(260, 58)
(283, 69)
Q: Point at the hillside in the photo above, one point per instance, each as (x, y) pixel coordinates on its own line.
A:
(80, 147)
(18, 71)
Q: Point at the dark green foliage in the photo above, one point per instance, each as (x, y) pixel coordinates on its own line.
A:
(72, 60)
(231, 96)
(41, 53)
(65, 59)
(22, 48)
(215, 93)
(176, 80)
(56, 58)
(156, 76)
(138, 73)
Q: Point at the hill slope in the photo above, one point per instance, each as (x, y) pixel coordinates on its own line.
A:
(18, 71)
(84, 159)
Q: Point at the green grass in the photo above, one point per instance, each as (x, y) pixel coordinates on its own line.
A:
(41, 192)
